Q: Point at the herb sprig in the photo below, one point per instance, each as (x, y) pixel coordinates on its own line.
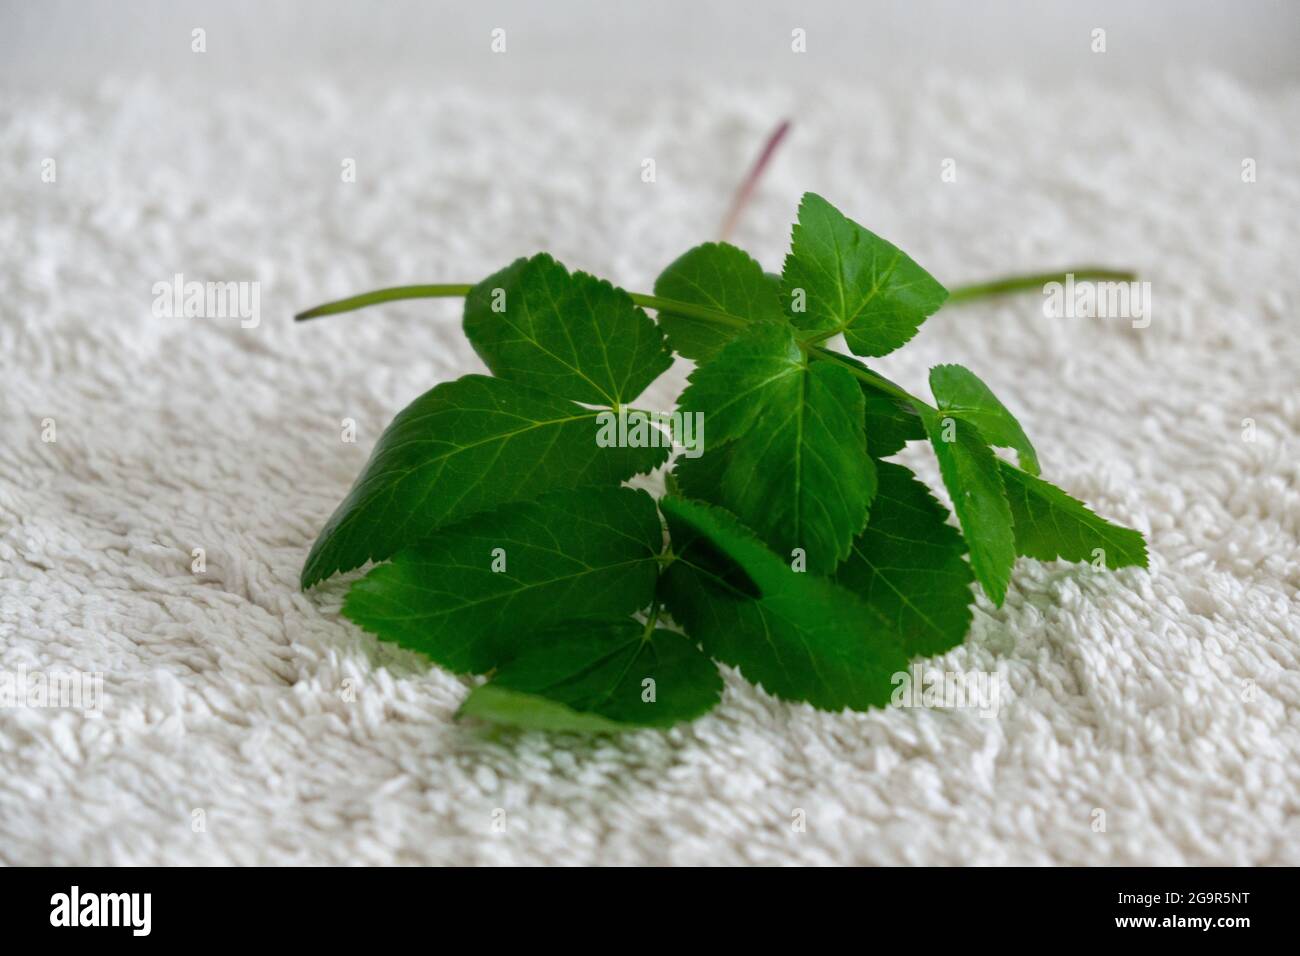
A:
(794, 550)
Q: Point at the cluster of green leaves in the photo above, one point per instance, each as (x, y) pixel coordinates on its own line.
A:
(790, 549)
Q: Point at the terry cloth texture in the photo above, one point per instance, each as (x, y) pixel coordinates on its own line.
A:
(246, 722)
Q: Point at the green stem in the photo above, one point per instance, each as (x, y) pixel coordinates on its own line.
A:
(651, 619)
(966, 293)
(686, 308)
(1035, 282)
(455, 291)
(959, 294)
(878, 382)
(380, 296)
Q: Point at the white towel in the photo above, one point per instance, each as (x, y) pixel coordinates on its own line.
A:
(1145, 716)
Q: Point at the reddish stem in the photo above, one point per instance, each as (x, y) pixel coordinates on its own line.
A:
(746, 189)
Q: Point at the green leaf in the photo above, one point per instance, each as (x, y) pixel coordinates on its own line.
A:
(908, 566)
(718, 276)
(970, 473)
(759, 371)
(463, 447)
(784, 446)
(890, 422)
(958, 392)
(854, 282)
(571, 554)
(501, 705)
(800, 636)
(1049, 524)
(591, 675)
(572, 335)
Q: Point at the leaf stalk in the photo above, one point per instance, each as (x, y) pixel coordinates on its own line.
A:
(957, 295)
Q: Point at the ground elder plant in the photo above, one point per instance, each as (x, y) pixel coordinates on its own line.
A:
(788, 545)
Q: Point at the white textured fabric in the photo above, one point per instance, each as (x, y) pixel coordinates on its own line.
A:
(1168, 699)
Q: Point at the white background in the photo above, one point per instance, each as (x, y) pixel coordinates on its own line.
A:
(567, 44)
